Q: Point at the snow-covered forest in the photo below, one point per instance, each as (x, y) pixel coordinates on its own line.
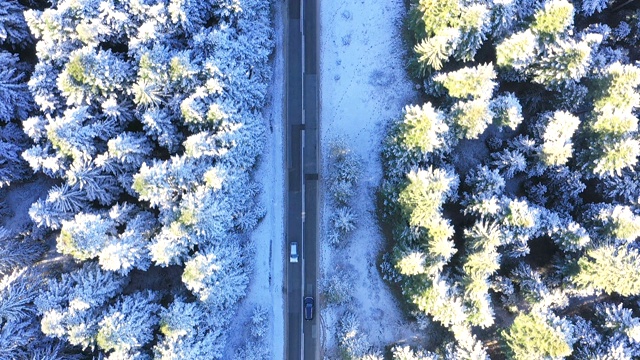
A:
(145, 118)
(511, 195)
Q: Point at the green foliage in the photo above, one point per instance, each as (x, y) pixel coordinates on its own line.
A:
(423, 129)
(617, 88)
(471, 118)
(553, 19)
(532, 337)
(617, 156)
(425, 192)
(411, 262)
(469, 82)
(575, 111)
(474, 23)
(609, 268)
(446, 28)
(85, 236)
(564, 61)
(440, 301)
(436, 15)
(520, 214)
(517, 51)
(434, 52)
(613, 122)
(624, 223)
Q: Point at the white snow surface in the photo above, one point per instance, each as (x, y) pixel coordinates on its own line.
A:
(363, 86)
(266, 284)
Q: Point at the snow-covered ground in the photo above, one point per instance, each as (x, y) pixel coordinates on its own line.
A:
(266, 284)
(363, 85)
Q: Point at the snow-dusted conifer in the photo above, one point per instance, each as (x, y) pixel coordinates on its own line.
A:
(610, 269)
(553, 19)
(190, 331)
(509, 162)
(15, 100)
(351, 338)
(62, 203)
(536, 335)
(502, 18)
(564, 62)
(473, 27)
(590, 7)
(128, 324)
(85, 236)
(423, 128)
(435, 51)
(471, 118)
(13, 28)
(407, 353)
(518, 51)
(217, 275)
(425, 193)
(469, 83)
(70, 308)
(557, 146)
(507, 111)
(12, 166)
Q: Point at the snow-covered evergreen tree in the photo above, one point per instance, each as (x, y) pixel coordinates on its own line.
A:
(15, 100)
(190, 331)
(128, 324)
(217, 275)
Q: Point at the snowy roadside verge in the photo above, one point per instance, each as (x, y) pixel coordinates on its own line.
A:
(265, 287)
(363, 86)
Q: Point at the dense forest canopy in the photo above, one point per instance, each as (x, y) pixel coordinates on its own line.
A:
(147, 116)
(510, 194)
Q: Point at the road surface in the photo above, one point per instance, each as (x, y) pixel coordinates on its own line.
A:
(302, 336)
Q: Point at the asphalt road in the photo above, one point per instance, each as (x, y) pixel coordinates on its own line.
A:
(302, 336)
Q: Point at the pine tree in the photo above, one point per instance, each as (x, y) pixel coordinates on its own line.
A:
(438, 299)
(616, 156)
(473, 27)
(407, 353)
(217, 275)
(435, 51)
(471, 118)
(590, 7)
(619, 222)
(610, 269)
(431, 16)
(71, 306)
(553, 19)
(518, 51)
(423, 128)
(557, 146)
(15, 100)
(509, 162)
(534, 336)
(12, 143)
(85, 236)
(502, 18)
(13, 28)
(128, 324)
(425, 193)
(617, 88)
(190, 331)
(507, 111)
(565, 62)
(351, 339)
(469, 83)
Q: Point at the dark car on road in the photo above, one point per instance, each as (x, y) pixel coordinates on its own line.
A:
(308, 308)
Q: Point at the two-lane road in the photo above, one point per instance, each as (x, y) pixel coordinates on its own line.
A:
(302, 336)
